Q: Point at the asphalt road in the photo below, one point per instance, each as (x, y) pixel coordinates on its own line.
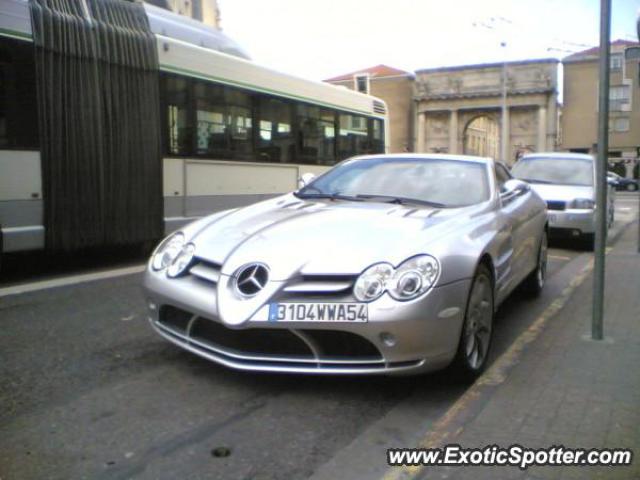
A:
(89, 391)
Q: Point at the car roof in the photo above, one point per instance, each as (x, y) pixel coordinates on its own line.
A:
(563, 155)
(427, 156)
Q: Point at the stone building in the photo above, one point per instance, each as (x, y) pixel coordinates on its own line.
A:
(206, 11)
(459, 109)
(395, 87)
(580, 109)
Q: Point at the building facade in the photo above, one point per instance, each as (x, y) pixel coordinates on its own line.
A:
(205, 11)
(395, 87)
(459, 109)
(580, 109)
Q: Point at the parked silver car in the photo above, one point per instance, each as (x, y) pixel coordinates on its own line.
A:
(384, 264)
(566, 181)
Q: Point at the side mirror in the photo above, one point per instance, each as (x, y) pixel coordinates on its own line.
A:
(512, 188)
(305, 179)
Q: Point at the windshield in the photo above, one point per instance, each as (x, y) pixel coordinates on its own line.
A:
(562, 171)
(439, 182)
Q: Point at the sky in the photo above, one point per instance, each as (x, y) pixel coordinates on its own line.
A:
(319, 39)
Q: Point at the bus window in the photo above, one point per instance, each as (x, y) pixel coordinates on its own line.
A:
(316, 132)
(377, 136)
(275, 141)
(212, 137)
(224, 122)
(178, 130)
(239, 117)
(4, 88)
(353, 139)
(209, 120)
(18, 100)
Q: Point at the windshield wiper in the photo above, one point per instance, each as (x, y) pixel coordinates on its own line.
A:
(330, 196)
(533, 180)
(401, 200)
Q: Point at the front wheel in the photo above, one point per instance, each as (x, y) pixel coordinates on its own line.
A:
(475, 339)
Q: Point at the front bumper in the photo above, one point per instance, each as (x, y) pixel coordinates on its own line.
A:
(399, 337)
(582, 221)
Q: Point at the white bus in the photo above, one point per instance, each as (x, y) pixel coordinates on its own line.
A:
(231, 132)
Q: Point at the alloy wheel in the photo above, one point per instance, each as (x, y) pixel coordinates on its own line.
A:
(479, 322)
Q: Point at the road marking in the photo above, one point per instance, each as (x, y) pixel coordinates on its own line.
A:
(451, 423)
(559, 257)
(71, 280)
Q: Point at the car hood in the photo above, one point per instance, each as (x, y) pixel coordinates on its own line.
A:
(562, 192)
(293, 236)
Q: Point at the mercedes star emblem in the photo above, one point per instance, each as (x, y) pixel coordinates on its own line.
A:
(251, 279)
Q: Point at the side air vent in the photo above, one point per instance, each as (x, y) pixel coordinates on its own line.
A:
(206, 270)
(379, 107)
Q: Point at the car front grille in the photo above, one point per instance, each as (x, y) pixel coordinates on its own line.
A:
(556, 205)
(309, 287)
(273, 348)
(319, 287)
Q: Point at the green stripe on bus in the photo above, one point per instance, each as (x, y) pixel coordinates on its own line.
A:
(204, 76)
(6, 32)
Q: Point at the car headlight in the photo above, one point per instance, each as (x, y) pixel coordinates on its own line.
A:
(414, 277)
(582, 203)
(411, 279)
(167, 251)
(373, 282)
(182, 261)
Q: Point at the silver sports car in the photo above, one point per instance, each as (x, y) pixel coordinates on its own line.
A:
(385, 264)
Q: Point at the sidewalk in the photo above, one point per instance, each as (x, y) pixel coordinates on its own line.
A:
(567, 389)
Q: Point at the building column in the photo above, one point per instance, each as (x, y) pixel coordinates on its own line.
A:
(422, 121)
(453, 131)
(505, 137)
(542, 129)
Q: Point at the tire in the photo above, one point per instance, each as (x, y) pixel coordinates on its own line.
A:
(534, 283)
(477, 330)
(632, 187)
(611, 218)
(588, 241)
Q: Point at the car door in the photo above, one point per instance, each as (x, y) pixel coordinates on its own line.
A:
(519, 211)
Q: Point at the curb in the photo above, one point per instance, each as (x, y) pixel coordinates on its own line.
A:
(467, 407)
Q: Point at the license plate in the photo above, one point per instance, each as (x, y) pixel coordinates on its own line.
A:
(318, 312)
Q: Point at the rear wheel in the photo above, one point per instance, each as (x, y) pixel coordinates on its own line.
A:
(588, 241)
(477, 330)
(534, 283)
(632, 187)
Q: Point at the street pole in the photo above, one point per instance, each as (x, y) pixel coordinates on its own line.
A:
(504, 140)
(601, 173)
(504, 137)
